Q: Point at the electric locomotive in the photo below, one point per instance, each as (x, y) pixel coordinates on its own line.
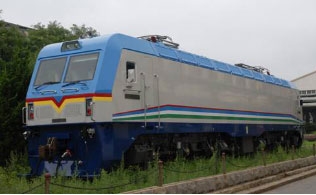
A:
(94, 102)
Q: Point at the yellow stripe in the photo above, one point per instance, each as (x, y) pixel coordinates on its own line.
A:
(102, 99)
(69, 101)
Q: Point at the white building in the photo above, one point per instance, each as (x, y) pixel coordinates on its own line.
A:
(307, 86)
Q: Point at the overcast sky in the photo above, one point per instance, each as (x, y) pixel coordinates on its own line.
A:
(277, 34)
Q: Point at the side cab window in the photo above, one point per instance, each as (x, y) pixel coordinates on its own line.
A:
(130, 72)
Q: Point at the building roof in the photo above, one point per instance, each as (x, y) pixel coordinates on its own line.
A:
(9, 24)
(304, 76)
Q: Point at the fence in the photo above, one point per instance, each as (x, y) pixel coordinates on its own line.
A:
(219, 162)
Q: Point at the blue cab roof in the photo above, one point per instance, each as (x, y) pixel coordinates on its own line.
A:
(114, 43)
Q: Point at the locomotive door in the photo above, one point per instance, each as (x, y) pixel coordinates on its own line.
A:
(147, 88)
(149, 81)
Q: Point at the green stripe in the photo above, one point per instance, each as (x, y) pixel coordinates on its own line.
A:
(188, 116)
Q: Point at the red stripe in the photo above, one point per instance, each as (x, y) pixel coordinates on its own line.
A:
(58, 104)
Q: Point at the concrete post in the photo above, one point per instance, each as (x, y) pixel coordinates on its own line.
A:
(263, 157)
(47, 182)
(223, 163)
(293, 152)
(160, 173)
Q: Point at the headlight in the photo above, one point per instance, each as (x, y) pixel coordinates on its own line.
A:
(26, 134)
(91, 132)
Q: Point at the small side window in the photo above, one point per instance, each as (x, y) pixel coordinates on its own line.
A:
(130, 72)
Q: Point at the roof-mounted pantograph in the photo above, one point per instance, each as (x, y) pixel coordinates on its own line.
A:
(166, 40)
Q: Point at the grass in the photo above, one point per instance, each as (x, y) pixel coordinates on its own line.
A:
(134, 178)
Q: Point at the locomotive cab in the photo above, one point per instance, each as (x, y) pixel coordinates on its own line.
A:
(61, 107)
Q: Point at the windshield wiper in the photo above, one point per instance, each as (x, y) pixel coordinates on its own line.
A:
(73, 83)
(46, 83)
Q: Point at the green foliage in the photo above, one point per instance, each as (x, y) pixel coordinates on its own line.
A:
(18, 52)
(14, 77)
(83, 31)
(9, 182)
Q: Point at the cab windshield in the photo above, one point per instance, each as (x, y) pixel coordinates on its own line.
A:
(81, 67)
(50, 71)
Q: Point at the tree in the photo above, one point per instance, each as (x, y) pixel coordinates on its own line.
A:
(14, 75)
(83, 31)
(42, 35)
